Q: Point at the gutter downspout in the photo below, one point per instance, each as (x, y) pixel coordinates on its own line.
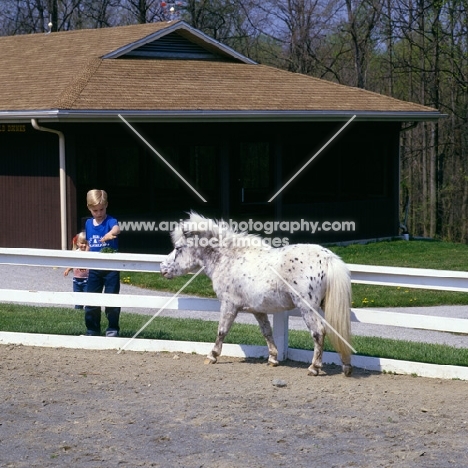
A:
(63, 183)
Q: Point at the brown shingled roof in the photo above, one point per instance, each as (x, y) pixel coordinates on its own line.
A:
(66, 71)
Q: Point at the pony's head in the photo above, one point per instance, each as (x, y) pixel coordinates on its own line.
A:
(198, 241)
(190, 239)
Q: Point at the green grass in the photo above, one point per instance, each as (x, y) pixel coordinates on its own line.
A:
(200, 286)
(415, 254)
(59, 321)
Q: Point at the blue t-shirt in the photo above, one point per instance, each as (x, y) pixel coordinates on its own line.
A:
(94, 234)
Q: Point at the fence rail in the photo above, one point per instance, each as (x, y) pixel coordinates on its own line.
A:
(365, 274)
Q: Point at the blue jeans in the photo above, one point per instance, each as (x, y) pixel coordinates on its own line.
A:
(109, 282)
(79, 285)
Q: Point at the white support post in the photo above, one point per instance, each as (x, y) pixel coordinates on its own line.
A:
(280, 333)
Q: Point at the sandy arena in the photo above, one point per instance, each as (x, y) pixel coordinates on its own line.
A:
(81, 408)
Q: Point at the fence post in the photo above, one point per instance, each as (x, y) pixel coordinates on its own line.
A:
(280, 333)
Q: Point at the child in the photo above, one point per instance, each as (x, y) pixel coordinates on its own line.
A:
(101, 232)
(80, 275)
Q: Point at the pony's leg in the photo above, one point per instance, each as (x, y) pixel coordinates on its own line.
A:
(347, 367)
(228, 315)
(267, 332)
(317, 330)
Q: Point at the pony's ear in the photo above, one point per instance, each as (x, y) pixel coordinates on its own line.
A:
(187, 228)
(198, 226)
(191, 233)
(190, 228)
(178, 233)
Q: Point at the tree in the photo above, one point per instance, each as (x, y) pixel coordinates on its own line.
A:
(363, 17)
(143, 11)
(34, 16)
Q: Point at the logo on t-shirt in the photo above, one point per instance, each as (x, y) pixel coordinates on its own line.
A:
(95, 243)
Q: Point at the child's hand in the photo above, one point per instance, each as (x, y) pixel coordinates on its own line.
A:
(65, 273)
(108, 237)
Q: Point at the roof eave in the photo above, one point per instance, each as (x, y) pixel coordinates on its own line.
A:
(215, 115)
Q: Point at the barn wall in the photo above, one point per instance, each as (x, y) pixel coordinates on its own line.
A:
(236, 167)
(354, 179)
(29, 188)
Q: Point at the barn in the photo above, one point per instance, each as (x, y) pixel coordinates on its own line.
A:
(168, 120)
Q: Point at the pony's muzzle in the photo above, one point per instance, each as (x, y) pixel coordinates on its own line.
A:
(166, 272)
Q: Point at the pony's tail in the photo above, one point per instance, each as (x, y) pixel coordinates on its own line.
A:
(337, 307)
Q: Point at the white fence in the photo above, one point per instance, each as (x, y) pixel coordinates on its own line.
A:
(388, 276)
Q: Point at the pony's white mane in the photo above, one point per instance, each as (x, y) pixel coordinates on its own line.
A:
(198, 225)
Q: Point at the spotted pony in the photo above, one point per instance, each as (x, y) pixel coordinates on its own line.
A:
(248, 275)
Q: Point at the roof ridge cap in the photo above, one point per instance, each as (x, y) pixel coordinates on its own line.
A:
(72, 92)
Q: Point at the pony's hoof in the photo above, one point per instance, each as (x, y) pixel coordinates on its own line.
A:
(347, 370)
(273, 362)
(210, 360)
(313, 371)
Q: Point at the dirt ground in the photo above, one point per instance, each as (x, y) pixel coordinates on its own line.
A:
(81, 408)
